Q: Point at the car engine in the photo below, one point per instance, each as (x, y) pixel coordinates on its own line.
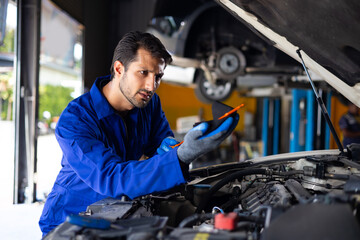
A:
(286, 196)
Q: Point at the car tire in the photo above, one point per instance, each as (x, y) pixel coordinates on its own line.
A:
(207, 92)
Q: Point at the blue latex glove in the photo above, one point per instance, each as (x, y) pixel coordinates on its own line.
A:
(165, 145)
(196, 143)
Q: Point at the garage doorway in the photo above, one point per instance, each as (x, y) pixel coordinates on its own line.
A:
(60, 81)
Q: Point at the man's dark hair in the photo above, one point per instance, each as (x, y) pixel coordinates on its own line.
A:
(126, 50)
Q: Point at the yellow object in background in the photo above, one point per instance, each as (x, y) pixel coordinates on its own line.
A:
(178, 101)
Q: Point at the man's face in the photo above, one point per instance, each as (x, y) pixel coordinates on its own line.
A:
(353, 109)
(142, 78)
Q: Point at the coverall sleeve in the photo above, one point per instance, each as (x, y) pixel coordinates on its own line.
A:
(343, 123)
(104, 171)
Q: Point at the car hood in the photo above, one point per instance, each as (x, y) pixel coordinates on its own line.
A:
(327, 32)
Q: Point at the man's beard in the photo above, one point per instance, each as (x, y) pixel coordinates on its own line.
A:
(132, 99)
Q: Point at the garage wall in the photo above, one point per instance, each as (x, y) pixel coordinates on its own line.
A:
(105, 23)
(96, 41)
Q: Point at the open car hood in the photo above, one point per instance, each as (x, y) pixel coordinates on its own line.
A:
(327, 32)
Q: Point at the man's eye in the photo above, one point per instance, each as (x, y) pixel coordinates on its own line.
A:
(158, 77)
(143, 72)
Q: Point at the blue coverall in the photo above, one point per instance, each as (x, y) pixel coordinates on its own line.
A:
(350, 122)
(101, 150)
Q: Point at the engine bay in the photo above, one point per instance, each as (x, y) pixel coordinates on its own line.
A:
(314, 196)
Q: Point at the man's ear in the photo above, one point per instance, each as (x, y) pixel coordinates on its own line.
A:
(118, 68)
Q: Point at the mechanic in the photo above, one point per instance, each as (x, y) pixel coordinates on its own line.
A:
(104, 133)
(350, 125)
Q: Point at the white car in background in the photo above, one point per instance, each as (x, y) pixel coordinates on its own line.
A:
(223, 53)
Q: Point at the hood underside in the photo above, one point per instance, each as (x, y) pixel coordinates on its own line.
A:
(327, 32)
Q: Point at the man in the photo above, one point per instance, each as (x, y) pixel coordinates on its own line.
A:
(350, 125)
(105, 132)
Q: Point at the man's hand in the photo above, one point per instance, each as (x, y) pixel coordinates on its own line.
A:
(165, 145)
(196, 143)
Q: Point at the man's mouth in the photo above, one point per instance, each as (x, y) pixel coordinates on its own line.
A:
(145, 96)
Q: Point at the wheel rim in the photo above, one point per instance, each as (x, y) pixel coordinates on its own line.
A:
(216, 91)
(230, 63)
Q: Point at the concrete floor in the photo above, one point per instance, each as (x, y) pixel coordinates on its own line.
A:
(20, 221)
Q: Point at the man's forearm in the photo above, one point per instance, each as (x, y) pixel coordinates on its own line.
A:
(350, 134)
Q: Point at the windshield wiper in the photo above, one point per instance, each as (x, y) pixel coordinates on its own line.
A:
(322, 106)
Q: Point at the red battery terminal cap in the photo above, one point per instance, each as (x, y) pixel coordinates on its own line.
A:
(226, 221)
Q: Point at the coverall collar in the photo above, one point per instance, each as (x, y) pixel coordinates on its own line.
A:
(101, 106)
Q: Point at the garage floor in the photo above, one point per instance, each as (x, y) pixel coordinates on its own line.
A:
(20, 221)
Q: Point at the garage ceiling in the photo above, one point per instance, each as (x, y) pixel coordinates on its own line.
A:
(73, 7)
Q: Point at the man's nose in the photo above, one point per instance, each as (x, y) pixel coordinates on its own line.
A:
(150, 83)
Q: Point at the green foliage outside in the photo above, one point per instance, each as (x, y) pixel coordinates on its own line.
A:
(6, 89)
(9, 42)
(6, 96)
(53, 99)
